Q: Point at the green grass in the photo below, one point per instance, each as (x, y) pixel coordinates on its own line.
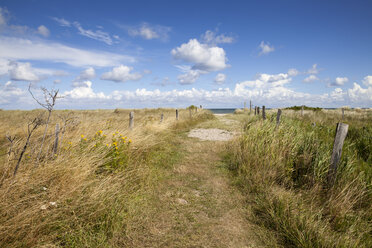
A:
(284, 173)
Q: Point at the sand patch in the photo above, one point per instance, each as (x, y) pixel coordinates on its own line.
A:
(211, 134)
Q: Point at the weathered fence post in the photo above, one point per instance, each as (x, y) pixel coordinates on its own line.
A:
(201, 107)
(341, 132)
(302, 110)
(263, 113)
(250, 107)
(258, 110)
(255, 110)
(177, 114)
(161, 117)
(278, 117)
(343, 113)
(55, 147)
(131, 120)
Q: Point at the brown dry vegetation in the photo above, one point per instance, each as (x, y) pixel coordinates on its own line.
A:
(88, 195)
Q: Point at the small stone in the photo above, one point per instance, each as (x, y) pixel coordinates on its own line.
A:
(44, 188)
(43, 207)
(53, 204)
(182, 201)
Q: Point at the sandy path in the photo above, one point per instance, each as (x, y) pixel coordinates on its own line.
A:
(197, 206)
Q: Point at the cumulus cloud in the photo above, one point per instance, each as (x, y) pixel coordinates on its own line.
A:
(10, 94)
(340, 81)
(84, 91)
(122, 74)
(44, 31)
(22, 72)
(25, 49)
(202, 56)
(310, 79)
(265, 48)
(367, 81)
(210, 37)
(150, 32)
(220, 78)
(269, 89)
(189, 77)
(313, 69)
(360, 95)
(86, 74)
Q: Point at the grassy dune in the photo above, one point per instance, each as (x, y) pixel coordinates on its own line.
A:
(283, 173)
(94, 192)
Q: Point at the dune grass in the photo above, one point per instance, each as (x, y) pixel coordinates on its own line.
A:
(95, 190)
(284, 174)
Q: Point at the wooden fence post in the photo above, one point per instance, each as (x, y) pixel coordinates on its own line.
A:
(161, 117)
(255, 110)
(278, 117)
(131, 120)
(55, 147)
(341, 132)
(250, 107)
(258, 110)
(263, 113)
(177, 114)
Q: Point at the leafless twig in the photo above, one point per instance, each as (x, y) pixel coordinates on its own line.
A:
(31, 127)
(50, 98)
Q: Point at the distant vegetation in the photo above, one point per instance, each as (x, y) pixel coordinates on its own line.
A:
(297, 108)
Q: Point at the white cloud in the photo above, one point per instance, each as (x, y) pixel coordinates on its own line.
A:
(84, 91)
(340, 81)
(203, 57)
(25, 49)
(22, 72)
(212, 38)
(367, 81)
(86, 74)
(361, 95)
(96, 35)
(189, 77)
(265, 48)
(62, 22)
(220, 78)
(10, 94)
(293, 72)
(313, 69)
(149, 32)
(121, 73)
(310, 79)
(272, 90)
(44, 31)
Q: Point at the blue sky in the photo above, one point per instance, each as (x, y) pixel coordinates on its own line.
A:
(135, 54)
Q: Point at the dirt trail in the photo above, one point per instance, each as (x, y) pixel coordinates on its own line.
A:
(197, 206)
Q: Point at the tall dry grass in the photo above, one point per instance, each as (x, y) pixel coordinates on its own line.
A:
(284, 172)
(93, 192)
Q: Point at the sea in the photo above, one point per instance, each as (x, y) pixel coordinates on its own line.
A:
(222, 110)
